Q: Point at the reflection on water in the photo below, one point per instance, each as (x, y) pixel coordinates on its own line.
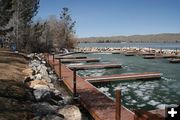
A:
(140, 94)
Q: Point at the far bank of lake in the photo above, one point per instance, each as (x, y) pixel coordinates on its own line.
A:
(138, 45)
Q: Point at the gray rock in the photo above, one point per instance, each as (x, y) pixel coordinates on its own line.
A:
(40, 90)
(38, 76)
(44, 108)
(35, 63)
(53, 77)
(32, 77)
(51, 72)
(43, 62)
(39, 67)
(51, 86)
(53, 117)
(70, 112)
(47, 78)
(31, 55)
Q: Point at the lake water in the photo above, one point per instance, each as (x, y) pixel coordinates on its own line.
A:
(140, 94)
(139, 45)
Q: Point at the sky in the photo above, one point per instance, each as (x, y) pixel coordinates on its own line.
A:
(117, 17)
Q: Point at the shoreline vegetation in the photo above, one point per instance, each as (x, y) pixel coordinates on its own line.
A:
(162, 38)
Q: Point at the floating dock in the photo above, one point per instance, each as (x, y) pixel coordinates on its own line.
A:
(124, 77)
(70, 57)
(129, 54)
(69, 53)
(158, 57)
(98, 104)
(151, 54)
(169, 56)
(152, 57)
(176, 60)
(94, 66)
(80, 60)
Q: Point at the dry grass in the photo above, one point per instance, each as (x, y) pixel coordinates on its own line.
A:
(12, 65)
(14, 95)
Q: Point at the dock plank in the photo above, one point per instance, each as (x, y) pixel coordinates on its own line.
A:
(123, 77)
(70, 57)
(94, 66)
(80, 60)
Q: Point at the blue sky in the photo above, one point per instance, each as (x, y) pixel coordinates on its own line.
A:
(117, 17)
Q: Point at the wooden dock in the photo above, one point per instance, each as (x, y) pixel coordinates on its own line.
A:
(98, 104)
(80, 60)
(146, 54)
(159, 57)
(124, 77)
(70, 57)
(95, 66)
(175, 60)
(152, 57)
(129, 54)
(69, 53)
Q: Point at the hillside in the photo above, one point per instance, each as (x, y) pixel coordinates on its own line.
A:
(165, 37)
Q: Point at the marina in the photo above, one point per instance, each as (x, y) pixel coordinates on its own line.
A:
(82, 87)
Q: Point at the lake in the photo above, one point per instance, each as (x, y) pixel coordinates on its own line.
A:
(146, 95)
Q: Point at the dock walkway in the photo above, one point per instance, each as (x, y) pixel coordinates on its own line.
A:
(99, 105)
(80, 60)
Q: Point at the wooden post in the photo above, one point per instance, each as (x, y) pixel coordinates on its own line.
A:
(60, 68)
(118, 104)
(48, 57)
(53, 57)
(149, 50)
(74, 81)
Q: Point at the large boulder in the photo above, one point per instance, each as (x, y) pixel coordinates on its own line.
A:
(44, 108)
(38, 82)
(40, 91)
(70, 112)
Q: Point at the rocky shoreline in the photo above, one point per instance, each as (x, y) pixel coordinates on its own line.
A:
(126, 49)
(40, 96)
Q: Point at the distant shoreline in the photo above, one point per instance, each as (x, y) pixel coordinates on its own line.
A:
(165, 37)
(111, 50)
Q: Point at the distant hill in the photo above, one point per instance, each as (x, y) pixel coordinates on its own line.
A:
(165, 37)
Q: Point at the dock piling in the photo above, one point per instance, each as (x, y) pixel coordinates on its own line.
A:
(48, 57)
(60, 68)
(74, 82)
(53, 57)
(118, 104)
